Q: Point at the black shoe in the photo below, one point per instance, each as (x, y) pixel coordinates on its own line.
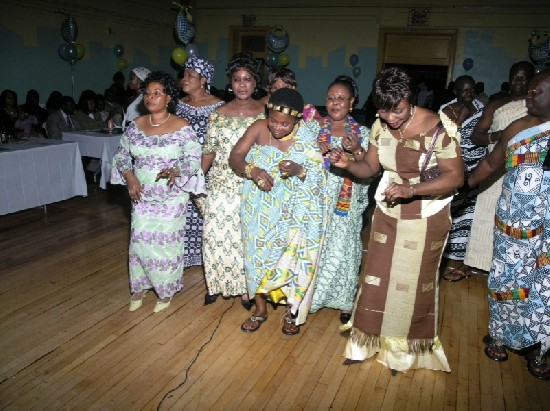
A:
(345, 317)
(210, 299)
(248, 304)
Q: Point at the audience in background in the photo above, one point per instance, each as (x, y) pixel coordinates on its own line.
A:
(87, 114)
(9, 112)
(63, 119)
(503, 93)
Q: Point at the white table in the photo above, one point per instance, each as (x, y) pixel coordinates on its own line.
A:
(38, 172)
(98, 145)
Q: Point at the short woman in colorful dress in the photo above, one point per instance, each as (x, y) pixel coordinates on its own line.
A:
(519, 281)
(283, 209)
(397, 305)
(336, 283)
(159, 161)
(196, 106)
(223, 257)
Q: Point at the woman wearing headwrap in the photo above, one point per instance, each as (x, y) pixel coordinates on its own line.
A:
(222, 240)
(196, 107)
(136, 108)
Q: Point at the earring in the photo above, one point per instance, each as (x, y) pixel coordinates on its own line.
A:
(230, 90)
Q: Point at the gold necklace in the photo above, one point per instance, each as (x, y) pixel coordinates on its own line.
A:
(402, 133)
(292, 134)
(236, 111)
(159, 124)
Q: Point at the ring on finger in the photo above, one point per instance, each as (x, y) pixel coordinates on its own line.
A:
(261, 183)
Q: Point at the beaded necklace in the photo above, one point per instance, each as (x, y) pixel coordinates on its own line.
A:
(352, 128)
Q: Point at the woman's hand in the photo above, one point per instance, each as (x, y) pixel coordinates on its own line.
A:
(325, 147)
(396, 191)
(262, 179)
(338, 158)
(169, 173)
(134, 188)
(289, 168)
(351, 143)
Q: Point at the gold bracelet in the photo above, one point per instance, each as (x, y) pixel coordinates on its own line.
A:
(358, 152)
(248, 170)
(490, 139)
(302, 174)
(413, 192)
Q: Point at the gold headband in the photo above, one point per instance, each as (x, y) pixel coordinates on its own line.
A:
(284, 110)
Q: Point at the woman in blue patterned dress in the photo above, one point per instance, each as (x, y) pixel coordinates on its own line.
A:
(159, 161)
(519, 281)
(283, 209)
(196, 107)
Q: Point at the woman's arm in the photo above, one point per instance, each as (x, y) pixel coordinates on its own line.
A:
(480, 134)
(365, 166)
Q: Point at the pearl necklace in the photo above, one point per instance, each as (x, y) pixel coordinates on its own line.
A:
(402, 133)
(159, 124)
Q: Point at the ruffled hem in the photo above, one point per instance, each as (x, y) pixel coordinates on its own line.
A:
(397, 353)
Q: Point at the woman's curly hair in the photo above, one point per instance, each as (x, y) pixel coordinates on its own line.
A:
(243, 61)
(391, 86)
(169, 84)
(348, 83)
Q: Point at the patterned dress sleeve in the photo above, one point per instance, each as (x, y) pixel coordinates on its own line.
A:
(374, 134)
(189, 162)
(211, 141)
(446, 146)
(122, 160)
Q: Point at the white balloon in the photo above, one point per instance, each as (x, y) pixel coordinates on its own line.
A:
(192, 50)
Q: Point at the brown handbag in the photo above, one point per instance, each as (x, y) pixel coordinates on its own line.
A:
(430, 173)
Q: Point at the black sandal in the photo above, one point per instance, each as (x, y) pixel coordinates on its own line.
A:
(495, 352)
(539, 369)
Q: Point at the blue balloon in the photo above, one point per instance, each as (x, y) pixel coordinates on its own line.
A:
(272, 60)
(468, 64)
(118, 50)
(354, 60)
(356, 72)
(72, 53)
(62, 51)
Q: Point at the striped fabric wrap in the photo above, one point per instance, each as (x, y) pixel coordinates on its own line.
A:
(518, 232)
(516, 294)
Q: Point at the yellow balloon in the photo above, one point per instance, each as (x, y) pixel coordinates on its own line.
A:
(80, 51)
(179, 55)
(284, 60)
(121, 63)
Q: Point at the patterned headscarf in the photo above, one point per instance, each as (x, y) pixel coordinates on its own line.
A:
(201, 66)
(141, 73)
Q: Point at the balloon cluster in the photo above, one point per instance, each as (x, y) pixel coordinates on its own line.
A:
(354, 61)
(184, 28)
(118, 51)
(70, 51)
(277, 40)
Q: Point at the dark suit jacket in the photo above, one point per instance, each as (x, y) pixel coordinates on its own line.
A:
(56, 124)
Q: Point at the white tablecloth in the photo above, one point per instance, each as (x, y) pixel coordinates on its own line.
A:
(38, 172)
(97, 145)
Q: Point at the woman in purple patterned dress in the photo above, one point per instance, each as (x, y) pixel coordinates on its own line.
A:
(159, 160)
(196, 107)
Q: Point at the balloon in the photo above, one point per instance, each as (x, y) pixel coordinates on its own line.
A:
(118, 50)
(468, 63)
(284, 60)
(184, 26)
(179, 55)
(354, 60)
(62, 51)
(121, 63)
(69, 29)
(191, 50)
(80, 51)
(72, 52)
(356, 71)
(277, 39)
(272, 59)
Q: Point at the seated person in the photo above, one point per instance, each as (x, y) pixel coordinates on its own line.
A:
(32, 108)
(87, 114)
(63, 119)
(27, 124)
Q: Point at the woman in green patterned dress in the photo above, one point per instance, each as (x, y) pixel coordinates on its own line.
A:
(222, 242)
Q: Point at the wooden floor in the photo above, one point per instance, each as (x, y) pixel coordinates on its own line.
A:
(68, 341)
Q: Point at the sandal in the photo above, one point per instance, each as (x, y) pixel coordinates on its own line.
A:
(539, 369)
(253, 324)
(495, 352)
(456, 274)
(289, 324)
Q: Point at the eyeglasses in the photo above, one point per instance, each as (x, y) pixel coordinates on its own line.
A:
(338, 99)
(154, 93)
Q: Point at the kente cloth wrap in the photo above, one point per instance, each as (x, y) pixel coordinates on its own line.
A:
(223, 256)
(201, 66)
(352, 127)
(158, 219)
(464, 202)
(521, 262)
(338, 274)
(397, 305)
(283, 228)
(198, 119)
(479, 251)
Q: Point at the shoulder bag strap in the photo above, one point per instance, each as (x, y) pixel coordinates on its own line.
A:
(430, 149)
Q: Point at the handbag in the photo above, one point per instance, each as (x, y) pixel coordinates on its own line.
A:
(430, 173)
